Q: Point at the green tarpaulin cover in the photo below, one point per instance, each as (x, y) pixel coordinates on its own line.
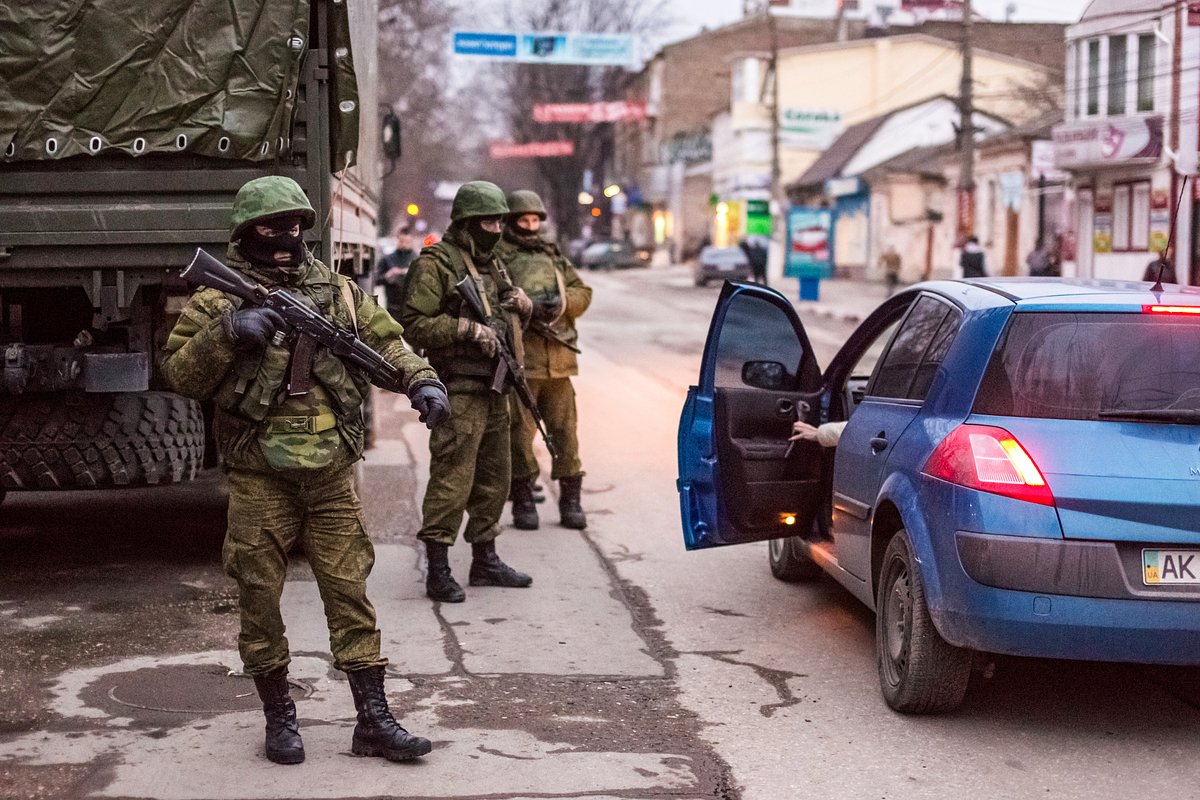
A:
(212, 77)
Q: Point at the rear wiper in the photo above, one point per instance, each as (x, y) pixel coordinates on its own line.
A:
(1175, 414)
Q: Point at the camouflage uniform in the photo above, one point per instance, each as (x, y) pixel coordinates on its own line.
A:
(289, 458)
(469, 469)
(554, 285)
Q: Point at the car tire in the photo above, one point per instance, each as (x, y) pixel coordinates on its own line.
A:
(789, 562)
(93, 441)
(919, 671)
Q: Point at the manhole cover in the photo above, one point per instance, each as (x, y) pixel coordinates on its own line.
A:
(189, 689)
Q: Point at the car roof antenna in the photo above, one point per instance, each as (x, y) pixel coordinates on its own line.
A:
(1157, 288)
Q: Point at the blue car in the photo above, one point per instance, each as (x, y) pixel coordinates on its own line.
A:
(1019, 471)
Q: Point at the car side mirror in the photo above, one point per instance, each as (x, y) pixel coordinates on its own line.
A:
(390, 135)
(764, 374)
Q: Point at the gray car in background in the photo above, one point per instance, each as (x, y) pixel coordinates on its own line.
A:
(722, 263)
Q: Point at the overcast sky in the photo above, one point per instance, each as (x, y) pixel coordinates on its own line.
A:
(695, 14)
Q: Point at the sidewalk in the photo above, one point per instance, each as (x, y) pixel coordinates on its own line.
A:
(842, 299)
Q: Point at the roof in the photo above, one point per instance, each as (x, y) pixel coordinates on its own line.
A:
(1045, 293)
(1043, 43)
(917, 161)
(830, 163)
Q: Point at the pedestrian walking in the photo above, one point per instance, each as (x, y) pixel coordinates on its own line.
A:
(392, 269)
(288, 429)
(756, 255)
(559, 297)
(890, 261)
(972, 259)
(470, 465)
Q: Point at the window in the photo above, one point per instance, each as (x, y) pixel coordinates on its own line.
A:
(755, 329)
(1093, 78)
(1074, 366)
(1075, 82)
(1145, 74)
(1121, 217)
(1131, 216)
(904, 373)
(1116, 75)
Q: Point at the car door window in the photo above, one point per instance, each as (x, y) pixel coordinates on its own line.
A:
(755, 330)
(897, 375)
(935, 355)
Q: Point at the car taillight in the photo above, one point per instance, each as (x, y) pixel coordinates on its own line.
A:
(1160, 309)
(989, 459)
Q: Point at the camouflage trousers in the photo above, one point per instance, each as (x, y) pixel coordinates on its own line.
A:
(268, 513)
(555, 398)
(469, 470)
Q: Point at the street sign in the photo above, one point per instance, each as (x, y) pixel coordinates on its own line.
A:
(616, 111)
(531, 149)
(544, 47)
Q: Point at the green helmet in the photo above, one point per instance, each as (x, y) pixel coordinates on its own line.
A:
(478, 199)
(269, 197)
(525, 201)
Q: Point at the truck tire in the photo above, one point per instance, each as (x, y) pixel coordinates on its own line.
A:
(96, 441)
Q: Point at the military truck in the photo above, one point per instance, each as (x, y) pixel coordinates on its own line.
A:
(126, 128)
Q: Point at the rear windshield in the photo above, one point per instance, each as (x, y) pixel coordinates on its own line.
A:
(1093, 366)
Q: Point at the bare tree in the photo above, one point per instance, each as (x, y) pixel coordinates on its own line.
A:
(526, 85)
(414, 69)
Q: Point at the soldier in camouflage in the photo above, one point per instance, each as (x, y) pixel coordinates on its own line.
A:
(469, 465)
(288, 428)
(559, 297)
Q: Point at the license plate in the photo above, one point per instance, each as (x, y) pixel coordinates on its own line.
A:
(1160, 567)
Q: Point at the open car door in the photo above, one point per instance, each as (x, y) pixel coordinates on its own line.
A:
(739, 481)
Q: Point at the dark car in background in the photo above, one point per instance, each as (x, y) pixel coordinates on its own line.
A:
(614, 254)
(1018, 473)
(722, 263)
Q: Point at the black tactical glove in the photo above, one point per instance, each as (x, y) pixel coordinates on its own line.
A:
(431, 402)
(545, 310)
(253, 327)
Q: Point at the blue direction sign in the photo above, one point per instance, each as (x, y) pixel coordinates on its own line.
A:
(542, 47)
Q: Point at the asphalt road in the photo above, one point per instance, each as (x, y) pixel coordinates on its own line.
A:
(630, 669)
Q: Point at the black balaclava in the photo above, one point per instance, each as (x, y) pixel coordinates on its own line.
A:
(484, 240)
(261, 250)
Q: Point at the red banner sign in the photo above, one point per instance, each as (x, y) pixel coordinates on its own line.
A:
(531, 149)
(618, 111)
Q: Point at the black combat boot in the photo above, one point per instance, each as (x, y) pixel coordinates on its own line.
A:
(539, 491)
(377, 732)
(283, 743)
(524, 512)
(439, 583)
(570, 512)
(488, 570)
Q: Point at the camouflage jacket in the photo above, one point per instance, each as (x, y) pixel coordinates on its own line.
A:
(435, 317)
(546, 275)
(258, 425)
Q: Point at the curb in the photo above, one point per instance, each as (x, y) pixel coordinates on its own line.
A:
(828, 312)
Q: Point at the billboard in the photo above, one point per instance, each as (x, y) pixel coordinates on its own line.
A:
(809, 254)
(543, 47)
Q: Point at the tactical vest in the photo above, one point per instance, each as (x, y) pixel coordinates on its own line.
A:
(308, 430)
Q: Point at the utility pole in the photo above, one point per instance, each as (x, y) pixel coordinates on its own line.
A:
(773, 71)
(966, 178)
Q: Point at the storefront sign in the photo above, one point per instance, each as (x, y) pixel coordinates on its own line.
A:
(1109, 141)
(617, 111)
(531, 149)
(808, 246)
(1043, 164)
(809, 128)
(1102, 224)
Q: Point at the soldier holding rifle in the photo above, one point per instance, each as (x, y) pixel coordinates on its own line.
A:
(287, 353)
(559, 296)
(469, 467)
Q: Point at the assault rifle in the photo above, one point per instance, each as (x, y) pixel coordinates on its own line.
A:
(208, 271)
(508, 361)
(545, 331)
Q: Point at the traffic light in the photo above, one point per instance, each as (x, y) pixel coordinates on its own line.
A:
(413, 209)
